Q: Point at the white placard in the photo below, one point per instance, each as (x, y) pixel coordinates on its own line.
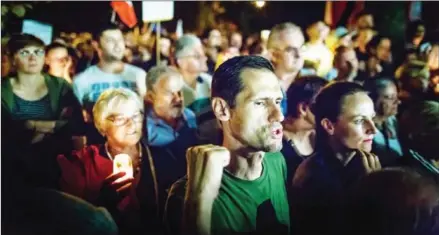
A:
(153, 11)
(38, 29)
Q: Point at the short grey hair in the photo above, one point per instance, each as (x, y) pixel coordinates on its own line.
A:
(278, 29)
(111, 100)
(185, 43)
(157, 72)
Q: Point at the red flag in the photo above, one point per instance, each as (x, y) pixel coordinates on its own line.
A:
(125, 11)
(358, 7)
(334, 11)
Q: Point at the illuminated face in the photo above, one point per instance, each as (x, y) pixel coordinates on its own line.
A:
(388, 102)
(256, 119)
(124, 125)
(195, 60)
(354, 128)
(112, 45)
(288, 54)
(57, 59)
(30, 60)
(167, 98)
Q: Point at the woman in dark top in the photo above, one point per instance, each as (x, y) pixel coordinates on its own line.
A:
(299, 123)
(344, 133)
(40, 114)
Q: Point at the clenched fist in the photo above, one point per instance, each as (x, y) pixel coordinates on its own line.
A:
(205, 164)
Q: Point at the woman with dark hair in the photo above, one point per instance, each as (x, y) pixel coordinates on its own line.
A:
(384, 94)
(394, 202)
(344, 133)
(40, 113)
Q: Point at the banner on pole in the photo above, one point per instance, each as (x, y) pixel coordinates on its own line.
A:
(154, 11)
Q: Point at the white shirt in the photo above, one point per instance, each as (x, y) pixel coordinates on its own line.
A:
(89, 84)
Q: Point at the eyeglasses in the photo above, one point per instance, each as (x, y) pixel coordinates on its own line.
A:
(27, 53)
(292, 50)
(198, 57)
(123, 120)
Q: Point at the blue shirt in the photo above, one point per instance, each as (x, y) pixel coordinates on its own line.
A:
(160, 133)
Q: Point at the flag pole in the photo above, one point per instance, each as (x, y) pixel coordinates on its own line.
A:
(157, 42)
(113, 17)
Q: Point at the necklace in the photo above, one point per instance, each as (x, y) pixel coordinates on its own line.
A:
(139, 159)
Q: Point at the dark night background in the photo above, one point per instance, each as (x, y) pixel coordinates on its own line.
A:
(390, 17)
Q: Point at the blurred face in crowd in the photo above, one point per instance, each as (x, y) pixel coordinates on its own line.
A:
(29, 60)
(384, 50)
(6, 64)
(256, 119)
(130, 40)
(387, 102)
(346, 64)
(318, 31)
(288, 53)
(167, 97)
(194, 61)
(111, 45)
(57, 59)
(124, 127)
(86, 49)
(165, 46)
(215, 38)
(365, 22)
(236, 40)
(354, 128)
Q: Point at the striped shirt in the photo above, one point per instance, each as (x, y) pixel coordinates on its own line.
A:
(32, 110)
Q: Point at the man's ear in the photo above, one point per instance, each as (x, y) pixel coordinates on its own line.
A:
(272, 56)
(301, 109)
(221, 109)
(328, 126)
(149, 97)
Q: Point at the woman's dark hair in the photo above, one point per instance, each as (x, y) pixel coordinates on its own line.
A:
(375, 85)
(20, 41)
(329, 104)
(394, 202)
(303, 90)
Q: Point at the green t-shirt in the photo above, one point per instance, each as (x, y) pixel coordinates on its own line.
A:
(258, 207)
(253, 207)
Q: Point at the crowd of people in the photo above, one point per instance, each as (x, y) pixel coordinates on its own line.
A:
(307, 131)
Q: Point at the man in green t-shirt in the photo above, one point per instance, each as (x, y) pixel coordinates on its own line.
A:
(239, 187)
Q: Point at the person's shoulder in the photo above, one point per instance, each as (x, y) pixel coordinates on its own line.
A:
(306, 168)
(178, 189)
(206, 77)
(85, 75)
(88, 152)
(135, 69)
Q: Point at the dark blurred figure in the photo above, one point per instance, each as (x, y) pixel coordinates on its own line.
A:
(420, 129)
(88, 56)
(345, 65)
(379, 61)
(394, 202)
(299, 123)
(212, 45)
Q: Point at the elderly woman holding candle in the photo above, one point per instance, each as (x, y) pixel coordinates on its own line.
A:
(93, 173)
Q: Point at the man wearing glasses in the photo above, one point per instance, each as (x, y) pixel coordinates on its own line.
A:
(192, 63)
